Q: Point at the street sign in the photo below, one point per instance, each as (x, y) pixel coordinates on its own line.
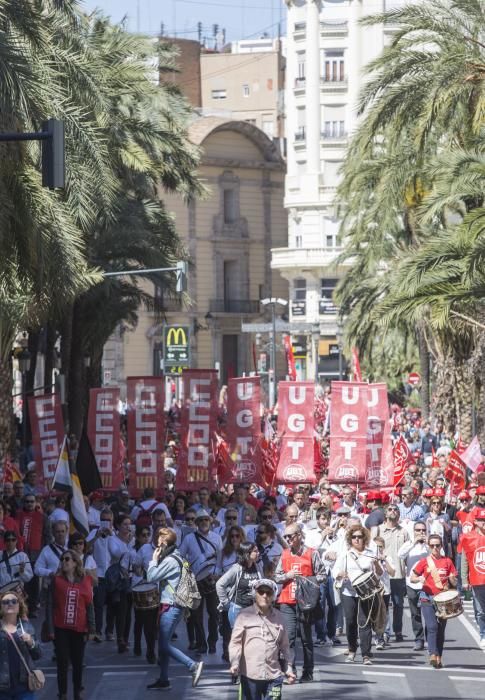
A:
(414, 378)
(176, 349)
(280, 326)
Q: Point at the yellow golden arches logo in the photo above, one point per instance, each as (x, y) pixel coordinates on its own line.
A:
(175, 335)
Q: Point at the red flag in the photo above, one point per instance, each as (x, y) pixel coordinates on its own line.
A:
(402, 459)
(455, 472)
(348, 432)
(290, 358)
(296, 424)
(357, 374)
(435, 464)
(104, 434)
(47, 435)
(460, 446)
(225, 465)
(10, 471)
(243, 428)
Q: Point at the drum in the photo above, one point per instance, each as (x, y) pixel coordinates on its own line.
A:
(447, 604)
(16, 587)
(367, 585)
(145, 596)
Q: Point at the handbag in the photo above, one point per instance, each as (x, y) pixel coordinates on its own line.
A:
(36, 678)
(307, 593)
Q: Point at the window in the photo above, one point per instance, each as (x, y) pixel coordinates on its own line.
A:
(219, 94)
(327, 288)
(268, 127)
(251, 121)
(331, 172)
(230, 214)
(301, 68)
(246, 90)
(300, 124)
(299, 290)
(331, 231)
(298, 241)
(333, 66)
(333, 121)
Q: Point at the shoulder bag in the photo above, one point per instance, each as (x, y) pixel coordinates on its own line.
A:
(36, 678)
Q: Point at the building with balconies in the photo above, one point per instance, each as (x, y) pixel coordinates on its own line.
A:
(326, 51)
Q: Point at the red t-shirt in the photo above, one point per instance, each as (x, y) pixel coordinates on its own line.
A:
(444, 567)
(474, 550)
(466, 522)
(70, 603)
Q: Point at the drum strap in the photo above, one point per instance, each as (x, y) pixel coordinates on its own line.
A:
(434, 573)
(5, 560)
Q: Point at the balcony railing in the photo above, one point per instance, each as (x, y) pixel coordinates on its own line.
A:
(333, 134)
(300, 134)
(300, 83)
(234, 306)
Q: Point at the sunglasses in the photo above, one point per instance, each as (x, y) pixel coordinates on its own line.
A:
(145, 534)
(79, 542)
(392, 508)
(10, 539)
(268, 516)
(357, 537)
(10, 601)
(434, 545)
(231, 517)
(260, 532)
(264, 591)
(420, 529)
(29, 502)
(189, 520)
(67, 559)
(435, 503)
(288, 538)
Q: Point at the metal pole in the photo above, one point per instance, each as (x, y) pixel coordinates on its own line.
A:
(273, 357)
(24, 411)
(340, 367)
(316, 361)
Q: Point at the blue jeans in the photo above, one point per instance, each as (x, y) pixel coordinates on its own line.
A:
(233, 612)
(18, 693)
(260, 690)
(435, 627)
(479, 604)
(327, 626)
(168, 622)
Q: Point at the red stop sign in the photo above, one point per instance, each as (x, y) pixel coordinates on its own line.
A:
(414, 378)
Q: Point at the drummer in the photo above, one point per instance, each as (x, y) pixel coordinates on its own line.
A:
(437, 574)
(358, 559)
(146, 619)
(14, 565)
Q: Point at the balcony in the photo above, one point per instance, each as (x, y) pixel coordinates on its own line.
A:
(300, 134)
(234, 306)
(296, 258)
(300, 85)
(334, 28)
(333, 135)
(333, 85)
(299, 30)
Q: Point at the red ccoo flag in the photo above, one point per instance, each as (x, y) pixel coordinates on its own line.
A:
(455, 472)
(402, 459)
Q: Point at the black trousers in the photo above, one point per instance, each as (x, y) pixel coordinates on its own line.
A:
(415, 610)
(33, 593)
(357, 623)
(296, 625)
(119, 610)
(146, 622)
(211, 601)
(69, 646)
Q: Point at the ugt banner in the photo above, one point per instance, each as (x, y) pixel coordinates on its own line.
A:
(296, 426)
(244, 429)
(104, 434)
(348, 433)
(146, 433)
(47, 435)
(380, 462)
(197, 459)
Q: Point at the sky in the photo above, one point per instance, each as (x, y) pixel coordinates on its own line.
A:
(241, 18)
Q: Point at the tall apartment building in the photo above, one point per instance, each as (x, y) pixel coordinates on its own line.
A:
(326, 51)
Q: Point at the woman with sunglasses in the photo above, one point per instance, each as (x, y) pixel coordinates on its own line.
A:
(436, 573)
(351, 564)
(439, 523)
(14, 565)
(70, 614)
(234, 538)
(14, 626)
(7, 523)
(77, 543)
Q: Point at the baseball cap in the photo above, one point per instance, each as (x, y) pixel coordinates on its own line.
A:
(343, 510)
(479, 514)
(374, 496)
(439, 492)
(464, 496)
(97, 496)
(427, 493)
(480, 491)
(265, 583)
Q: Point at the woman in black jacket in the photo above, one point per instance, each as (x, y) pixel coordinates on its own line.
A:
(14, 624)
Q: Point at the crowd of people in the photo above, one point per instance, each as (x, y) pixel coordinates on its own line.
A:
(278, 573)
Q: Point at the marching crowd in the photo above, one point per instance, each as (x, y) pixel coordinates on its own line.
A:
(270, 574)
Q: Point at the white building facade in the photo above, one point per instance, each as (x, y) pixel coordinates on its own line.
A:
(326, 52)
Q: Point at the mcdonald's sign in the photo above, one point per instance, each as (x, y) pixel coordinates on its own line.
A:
(176, 349)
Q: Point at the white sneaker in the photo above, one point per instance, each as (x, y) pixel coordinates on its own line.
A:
(196, 673)
(482, 643)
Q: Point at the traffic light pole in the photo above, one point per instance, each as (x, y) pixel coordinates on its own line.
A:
(53, 151)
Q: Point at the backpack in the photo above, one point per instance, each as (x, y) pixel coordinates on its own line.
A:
(144, 518)
(117, 578)
(186, 595)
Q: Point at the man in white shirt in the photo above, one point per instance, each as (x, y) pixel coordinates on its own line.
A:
(102, 539)
(14, 565)
(411, 552)
(202, 549)
(59, 512)
(95, 508)
(48, 560)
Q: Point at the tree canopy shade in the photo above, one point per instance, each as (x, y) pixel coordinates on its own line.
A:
(412, 199)
(126, 143)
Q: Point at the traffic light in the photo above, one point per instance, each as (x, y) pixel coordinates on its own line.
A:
(53, 155)
(181, 276)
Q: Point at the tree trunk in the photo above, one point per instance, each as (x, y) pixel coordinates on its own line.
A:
(7, 431)
(50, 341)
(424, 365)
(33, 348)
(76, 375)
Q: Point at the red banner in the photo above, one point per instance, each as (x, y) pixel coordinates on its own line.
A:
(197, 459)
(244, 428)
(380, 462)
(348, 432)
(455, 472)
(104, 434)
(356, 371)
(47, 435)
(402, 459)
(290, 358)
(296, 425)
(146, 433)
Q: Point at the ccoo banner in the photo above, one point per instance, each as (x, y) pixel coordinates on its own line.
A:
(47, 434)
(104, 434)
(197, 459)
(296, 426)
(244, 428)
(146, 433)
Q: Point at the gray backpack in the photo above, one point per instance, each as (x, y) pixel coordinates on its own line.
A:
(186, 595)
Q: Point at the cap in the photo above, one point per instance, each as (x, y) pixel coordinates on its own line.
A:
(31, 467)
(265, 583)
(479, 513)
(427, 493)
(97, 496)
(202, 514)
(480, 491)
(343, 510)
(374, 496)
(464, 496)
(439, 492)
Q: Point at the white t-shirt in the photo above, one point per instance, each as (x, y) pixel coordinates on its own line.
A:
(355, 564)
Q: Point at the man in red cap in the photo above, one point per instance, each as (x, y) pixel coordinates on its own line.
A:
(473, 568)
(376, 516)
(480, 496)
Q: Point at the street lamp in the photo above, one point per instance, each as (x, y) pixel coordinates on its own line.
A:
(316, 341)
(24, 366)
(272, 301)
(339, 336)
